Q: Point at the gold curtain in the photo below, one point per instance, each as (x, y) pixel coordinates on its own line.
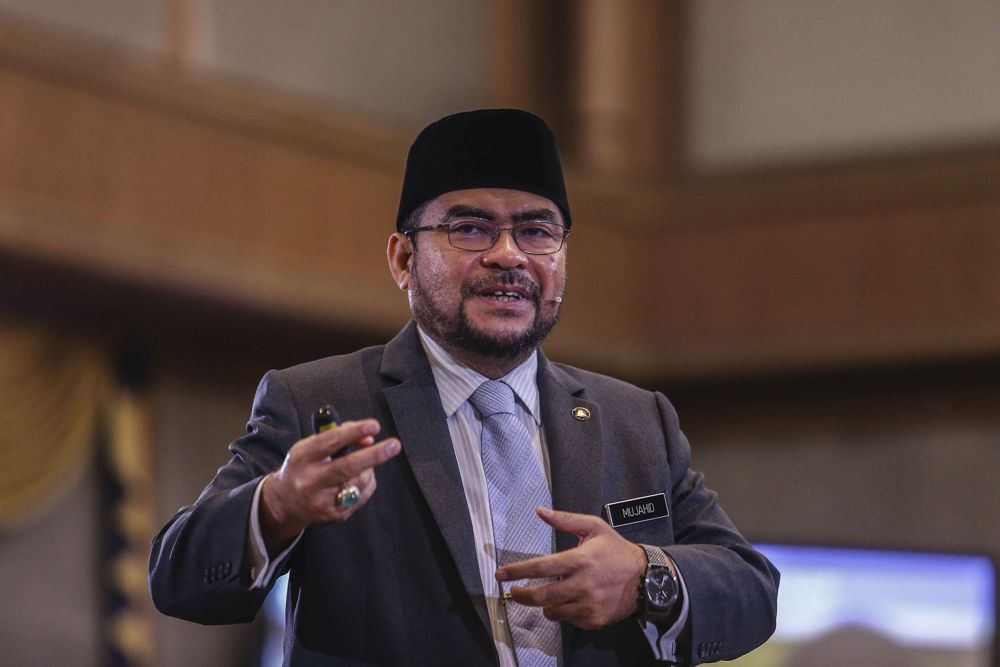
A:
(53, 388)
(59, 401)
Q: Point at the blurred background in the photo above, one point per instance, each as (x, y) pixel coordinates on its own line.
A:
(787, 218)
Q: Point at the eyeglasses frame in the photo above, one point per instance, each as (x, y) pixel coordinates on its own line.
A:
(500, 229)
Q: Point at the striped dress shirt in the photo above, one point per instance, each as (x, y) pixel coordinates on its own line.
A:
(456, 383)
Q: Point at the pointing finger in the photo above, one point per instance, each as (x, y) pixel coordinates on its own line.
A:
(362, 461)
(333, 440)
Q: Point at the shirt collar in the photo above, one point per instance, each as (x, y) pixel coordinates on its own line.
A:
(456, 382)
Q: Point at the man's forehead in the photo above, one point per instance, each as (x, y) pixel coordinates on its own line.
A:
(498, 201)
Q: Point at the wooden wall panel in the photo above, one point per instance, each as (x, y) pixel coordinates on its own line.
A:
(134, 171)
(165, 198)
(845, 290)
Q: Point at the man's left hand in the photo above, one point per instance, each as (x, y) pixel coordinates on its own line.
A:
(598, 580)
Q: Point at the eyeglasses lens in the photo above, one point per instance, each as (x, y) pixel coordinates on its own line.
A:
(536, 238)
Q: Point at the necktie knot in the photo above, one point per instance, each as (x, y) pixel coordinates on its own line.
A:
(493, 397)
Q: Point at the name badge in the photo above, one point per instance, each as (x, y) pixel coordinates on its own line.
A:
(637, 510)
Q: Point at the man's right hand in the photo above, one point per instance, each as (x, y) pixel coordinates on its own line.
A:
(304, 491)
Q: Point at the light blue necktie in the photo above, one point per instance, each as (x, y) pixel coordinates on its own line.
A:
(516, 486)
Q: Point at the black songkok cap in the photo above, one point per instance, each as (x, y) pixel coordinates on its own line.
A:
(488, 148)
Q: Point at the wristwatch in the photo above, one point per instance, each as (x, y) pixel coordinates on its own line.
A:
(659, 588)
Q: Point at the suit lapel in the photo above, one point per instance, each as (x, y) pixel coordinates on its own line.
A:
(575, 451)
(575, 446)
(416, 409)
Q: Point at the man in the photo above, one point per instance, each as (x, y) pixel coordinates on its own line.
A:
(525, 512)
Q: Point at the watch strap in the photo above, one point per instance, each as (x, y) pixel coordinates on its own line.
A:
(656, 556)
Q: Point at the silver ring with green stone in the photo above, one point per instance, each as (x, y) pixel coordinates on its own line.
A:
(347, 496)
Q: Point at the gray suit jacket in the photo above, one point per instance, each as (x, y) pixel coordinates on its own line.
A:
(398, 583)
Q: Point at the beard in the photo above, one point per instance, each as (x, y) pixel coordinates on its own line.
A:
(454, 329)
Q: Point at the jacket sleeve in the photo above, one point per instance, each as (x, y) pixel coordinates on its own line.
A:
(732, 587)
(199, 569)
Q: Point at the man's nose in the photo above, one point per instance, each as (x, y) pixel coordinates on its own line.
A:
(505, 253)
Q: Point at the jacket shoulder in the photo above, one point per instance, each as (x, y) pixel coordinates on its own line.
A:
(339, 365)
(348, 382)
(600, 385)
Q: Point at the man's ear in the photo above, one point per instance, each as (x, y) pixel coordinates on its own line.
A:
(400, 255)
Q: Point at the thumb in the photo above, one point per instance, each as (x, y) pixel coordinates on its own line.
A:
(581, 525)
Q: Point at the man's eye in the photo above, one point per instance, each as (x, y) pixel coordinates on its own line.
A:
(537, 231)
(469, 228)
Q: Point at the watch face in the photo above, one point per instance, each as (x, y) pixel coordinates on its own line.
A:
(661, 588)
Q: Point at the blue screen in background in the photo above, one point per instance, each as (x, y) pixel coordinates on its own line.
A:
(861, 607)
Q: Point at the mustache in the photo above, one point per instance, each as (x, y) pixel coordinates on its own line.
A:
(509, 278)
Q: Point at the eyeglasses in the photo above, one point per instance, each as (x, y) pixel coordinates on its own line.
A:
(533, 238)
